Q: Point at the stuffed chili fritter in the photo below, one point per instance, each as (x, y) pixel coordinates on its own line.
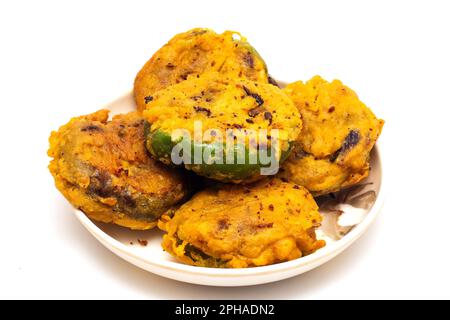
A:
(230, 115)
(103, 169)
(239, 226)
(195, 52)
(338, 133)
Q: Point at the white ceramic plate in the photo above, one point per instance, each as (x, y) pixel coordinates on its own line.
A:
(152, 258)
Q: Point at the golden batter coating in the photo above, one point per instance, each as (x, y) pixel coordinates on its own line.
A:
(103, 169)
(193, 53)
(219, 104)
(223, 103)
(235, 226)
(338, 133)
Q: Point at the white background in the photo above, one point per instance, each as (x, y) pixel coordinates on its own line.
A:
(61, 59)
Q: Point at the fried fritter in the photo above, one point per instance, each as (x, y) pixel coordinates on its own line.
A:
(236, 226)
(339, 131)
(223, 106)
(103, 169)
(195, 52)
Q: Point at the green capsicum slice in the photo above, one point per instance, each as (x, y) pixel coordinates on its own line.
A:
(231, 130)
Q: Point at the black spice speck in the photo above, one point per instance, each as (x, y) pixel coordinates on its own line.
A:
(268, 116)
(147, 99)
(201, 109)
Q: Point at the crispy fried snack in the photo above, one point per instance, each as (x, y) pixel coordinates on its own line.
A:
(220, 104)
(195, 52)
(237, 226)
(339, 131)
(103, 169)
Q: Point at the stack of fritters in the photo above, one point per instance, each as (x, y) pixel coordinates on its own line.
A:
(122, 171)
